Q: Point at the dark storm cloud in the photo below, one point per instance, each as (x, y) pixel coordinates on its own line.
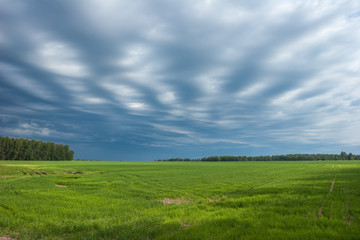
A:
(194, 78)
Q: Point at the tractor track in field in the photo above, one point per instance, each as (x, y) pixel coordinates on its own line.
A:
(347, 214)
(280, 179)
(42, 173)
(319, 215)
(332, 185)
(320, 212)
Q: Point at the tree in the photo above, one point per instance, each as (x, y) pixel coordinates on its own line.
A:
(343, 156)
(24, 149)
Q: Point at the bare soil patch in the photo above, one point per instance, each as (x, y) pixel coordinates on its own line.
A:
(33, 173)
(7, 238)
(167, 201)
(216, 199)
(36, 173)
(58, 185)
(184, 224)
(70, 172)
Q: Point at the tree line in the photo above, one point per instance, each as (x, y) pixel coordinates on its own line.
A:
(287, 157)
(25, 149)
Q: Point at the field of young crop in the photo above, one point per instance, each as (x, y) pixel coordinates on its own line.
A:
(180, 200)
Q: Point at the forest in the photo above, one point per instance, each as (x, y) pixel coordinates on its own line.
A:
(287, 157)
(25, 149)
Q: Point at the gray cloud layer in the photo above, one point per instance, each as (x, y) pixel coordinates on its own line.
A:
(187, 78)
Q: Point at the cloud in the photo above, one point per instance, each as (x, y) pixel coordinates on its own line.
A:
(27, 129)
(58, 58)
(14, 76)
(234, 75)
(32, 129)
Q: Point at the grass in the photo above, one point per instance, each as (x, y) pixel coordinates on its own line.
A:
(228, 200)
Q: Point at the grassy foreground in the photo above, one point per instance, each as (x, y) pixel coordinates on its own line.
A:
(180, 200)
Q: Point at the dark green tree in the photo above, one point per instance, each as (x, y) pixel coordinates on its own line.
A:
(24, 149)
(343, 156)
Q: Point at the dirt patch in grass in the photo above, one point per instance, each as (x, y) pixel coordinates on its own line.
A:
(184, 224)
(168, 201)
(7, 238)
(216, 199)
(70, 172)
(58, 185)
(39, 173)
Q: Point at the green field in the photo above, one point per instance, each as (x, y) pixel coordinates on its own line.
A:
(180, 200)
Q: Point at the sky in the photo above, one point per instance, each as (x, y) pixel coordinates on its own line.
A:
(145, 80)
